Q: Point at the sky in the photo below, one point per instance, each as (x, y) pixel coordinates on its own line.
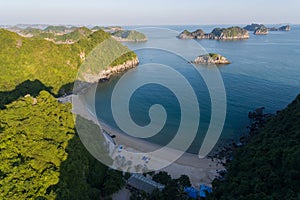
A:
(154, 12)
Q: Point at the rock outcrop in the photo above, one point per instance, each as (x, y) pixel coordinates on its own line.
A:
(254, 27)
(106, 74)
(261, 31)
(197, 34)
(232, 33)
(285, 28)
(211, 58)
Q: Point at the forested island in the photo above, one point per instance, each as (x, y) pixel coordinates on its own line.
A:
(72, 34)
(261, 29)
(231, 33)
(129, 36)
(55, 65)
(211, 58)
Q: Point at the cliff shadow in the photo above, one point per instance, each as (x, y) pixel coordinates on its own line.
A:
(27, 87)
(65, 89)
(81, 175)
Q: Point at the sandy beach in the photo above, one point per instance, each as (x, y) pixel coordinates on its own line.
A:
(200, 171)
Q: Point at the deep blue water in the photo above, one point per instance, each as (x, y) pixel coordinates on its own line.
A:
(264, 72)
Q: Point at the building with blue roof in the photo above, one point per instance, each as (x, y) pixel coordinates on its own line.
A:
(204, 190)
(195, 194)
(191, 192)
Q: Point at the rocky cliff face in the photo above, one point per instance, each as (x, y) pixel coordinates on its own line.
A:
(211, 58)
(261, 31)
(231, 33)
(106, 74)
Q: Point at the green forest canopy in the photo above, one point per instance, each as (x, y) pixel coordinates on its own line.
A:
(55, 65)
(268, 166)
(42, 157)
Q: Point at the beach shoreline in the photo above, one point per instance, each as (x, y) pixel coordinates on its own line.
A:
(200, 171)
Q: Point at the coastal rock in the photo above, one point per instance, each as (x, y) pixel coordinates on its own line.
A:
(261, 31)
(185, 35)
(285, 28)
(231, 33)
(106, 74)
(211, 58)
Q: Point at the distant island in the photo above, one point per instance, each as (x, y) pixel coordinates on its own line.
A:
(231, 33)
(129, 36)
(253, 27)
(25, 58)
(211, 58)
(72, 34)
(260, 29)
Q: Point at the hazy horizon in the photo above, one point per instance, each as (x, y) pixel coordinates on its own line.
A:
(134, 12)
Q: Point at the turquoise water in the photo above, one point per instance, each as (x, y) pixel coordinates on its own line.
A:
(264, 72)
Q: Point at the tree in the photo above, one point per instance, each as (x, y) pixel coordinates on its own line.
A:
(183, 181)
(267, 167)
(113, 182)
(162, 177)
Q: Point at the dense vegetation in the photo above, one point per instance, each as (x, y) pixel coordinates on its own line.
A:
(268, 166)
(174, 188)
(57, 34)
(58, 29)
(231, 32)
(43, 158)
(253, 27)
(40, 153)
(34, 142)
(54, 65)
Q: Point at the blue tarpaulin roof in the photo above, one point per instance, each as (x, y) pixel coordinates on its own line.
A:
(204, 188)
(191, 192)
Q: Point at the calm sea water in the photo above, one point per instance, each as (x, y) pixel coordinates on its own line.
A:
(264, 72)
